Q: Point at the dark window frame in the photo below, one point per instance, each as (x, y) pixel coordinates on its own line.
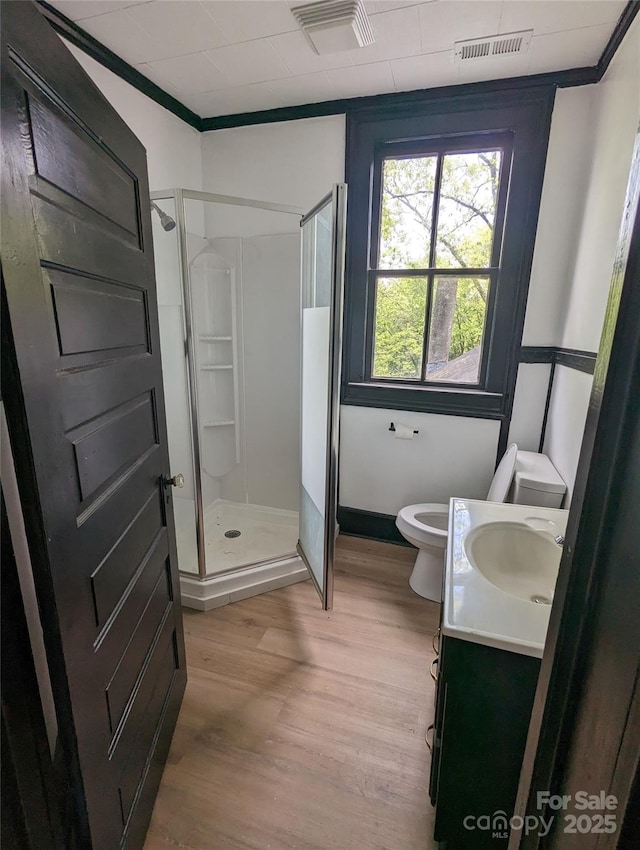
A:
(524, 117)
(440, 148)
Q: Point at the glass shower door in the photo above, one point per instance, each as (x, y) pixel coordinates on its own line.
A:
(322, 281)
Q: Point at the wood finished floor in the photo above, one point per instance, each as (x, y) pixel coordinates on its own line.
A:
(302, 728)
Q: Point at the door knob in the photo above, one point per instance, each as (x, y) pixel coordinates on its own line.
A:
(176, 481)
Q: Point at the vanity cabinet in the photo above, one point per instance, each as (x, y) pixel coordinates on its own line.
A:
(484, 698)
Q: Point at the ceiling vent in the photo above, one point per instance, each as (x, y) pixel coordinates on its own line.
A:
(493, 45)
(335, 25)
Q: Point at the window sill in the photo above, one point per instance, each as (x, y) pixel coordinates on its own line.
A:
(476, 404)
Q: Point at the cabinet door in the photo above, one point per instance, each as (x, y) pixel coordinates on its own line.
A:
(438, 722)
(484, 706)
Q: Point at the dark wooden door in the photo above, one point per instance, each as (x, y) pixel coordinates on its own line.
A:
(83, 391)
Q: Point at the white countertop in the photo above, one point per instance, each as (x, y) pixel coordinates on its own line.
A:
(476, 610)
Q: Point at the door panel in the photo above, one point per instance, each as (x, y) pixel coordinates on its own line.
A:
(321, 334)
(98, 181)
(83, 390)
(94, 316)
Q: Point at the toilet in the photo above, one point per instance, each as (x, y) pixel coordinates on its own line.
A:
(524, 478)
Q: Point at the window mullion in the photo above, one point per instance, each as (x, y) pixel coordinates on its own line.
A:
(434, 213)
(432, 263)
(427, 322)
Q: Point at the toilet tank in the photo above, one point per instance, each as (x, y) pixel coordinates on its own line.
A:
(536, 481)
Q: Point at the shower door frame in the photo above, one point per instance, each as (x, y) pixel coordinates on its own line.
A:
(179, 196)
(337, 199)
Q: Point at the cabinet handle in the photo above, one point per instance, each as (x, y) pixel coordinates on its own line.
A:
(435, 641)
(426, 738)
(434, 675)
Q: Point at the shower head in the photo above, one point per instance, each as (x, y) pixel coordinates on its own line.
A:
(165, 220)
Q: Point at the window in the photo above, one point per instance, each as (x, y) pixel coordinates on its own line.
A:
(441, 226)
(435, 260)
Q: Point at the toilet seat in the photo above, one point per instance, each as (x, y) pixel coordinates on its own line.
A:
(424, 519)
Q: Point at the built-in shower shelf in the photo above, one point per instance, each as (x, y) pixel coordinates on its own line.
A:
(216, 338)
(219, 423)
(212, 367)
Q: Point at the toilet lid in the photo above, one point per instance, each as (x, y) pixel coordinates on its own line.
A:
(503, 475)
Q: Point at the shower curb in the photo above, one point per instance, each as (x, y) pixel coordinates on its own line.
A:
(213, 592)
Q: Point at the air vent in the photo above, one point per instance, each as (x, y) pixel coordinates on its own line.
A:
(335, 25)
(475, 50)
(493, 45)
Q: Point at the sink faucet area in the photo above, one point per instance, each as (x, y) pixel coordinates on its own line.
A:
(501, 569)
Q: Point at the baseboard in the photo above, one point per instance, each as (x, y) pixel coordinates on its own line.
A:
(221, 590)
(371, 525)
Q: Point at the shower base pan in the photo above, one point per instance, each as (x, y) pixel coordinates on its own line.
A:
(250, 549)
(265, 534)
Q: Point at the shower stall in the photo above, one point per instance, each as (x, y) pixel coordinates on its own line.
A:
(230, 277)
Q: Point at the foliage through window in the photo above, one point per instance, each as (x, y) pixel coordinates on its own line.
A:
(434, 261)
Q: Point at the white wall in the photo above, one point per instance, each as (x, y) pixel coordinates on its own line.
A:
(590, 146)
(291, 162)
(563, 195)
(529, 402)
(613, 122)
(173, 148)
(565, 423)
(450, 456)
(566, 178)
(613, 126)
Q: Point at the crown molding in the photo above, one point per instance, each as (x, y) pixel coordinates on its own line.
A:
(110, 60)
(620, 30)
(395, 100)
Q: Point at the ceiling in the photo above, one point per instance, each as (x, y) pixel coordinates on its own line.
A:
(221, 58)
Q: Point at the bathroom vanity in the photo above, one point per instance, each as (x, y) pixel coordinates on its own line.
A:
(483, 704)
(489, 648)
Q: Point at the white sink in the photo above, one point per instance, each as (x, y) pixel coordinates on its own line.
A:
(499, 557)
(516, 558)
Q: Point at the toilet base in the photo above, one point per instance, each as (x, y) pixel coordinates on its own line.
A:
(426, 578)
